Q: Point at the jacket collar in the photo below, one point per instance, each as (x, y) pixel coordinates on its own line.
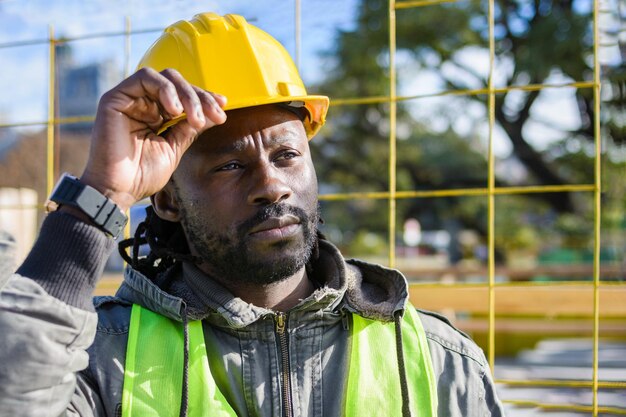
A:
(369, 290)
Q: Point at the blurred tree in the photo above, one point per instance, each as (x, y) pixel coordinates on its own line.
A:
(536, 42)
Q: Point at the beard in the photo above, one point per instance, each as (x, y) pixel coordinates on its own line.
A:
(231, 255)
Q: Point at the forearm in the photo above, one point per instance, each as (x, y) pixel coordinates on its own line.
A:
(68, 259)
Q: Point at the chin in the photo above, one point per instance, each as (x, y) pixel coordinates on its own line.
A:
(288, 247)
(276, 271)
(278, 263)
(279, 254)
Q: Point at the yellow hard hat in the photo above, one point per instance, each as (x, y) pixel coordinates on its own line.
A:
(227, 55)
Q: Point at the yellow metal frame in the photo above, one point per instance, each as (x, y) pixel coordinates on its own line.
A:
(392, 195)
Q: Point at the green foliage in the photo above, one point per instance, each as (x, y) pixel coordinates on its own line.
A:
(535, 41)
(366, 243)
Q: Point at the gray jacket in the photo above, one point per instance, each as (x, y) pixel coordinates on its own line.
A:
(56, 359)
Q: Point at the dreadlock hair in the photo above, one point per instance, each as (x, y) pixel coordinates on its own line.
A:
(168, 245)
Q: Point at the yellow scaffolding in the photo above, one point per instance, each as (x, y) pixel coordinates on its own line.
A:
(392, 195)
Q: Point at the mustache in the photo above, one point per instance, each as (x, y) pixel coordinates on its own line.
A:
(273, 210)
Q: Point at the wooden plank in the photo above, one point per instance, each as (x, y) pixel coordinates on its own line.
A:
(560, 327)
(567, 271)
(543, 300)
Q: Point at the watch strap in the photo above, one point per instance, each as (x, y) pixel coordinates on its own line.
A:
(100, 209)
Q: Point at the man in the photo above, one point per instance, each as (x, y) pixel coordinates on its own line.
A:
(241, 307)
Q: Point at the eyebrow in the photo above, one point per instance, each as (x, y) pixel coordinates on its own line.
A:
(239, 145)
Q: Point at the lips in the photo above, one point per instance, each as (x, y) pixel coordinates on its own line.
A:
(276, 227)
(275, 223)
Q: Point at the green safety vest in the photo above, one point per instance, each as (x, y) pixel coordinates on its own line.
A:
(153, 374)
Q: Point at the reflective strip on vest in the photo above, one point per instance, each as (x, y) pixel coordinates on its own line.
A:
(373, 377)
(153, 372)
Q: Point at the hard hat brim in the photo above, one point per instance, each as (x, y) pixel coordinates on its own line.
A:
(317, 107)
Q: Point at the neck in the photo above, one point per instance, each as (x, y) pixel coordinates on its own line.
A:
(278, 296)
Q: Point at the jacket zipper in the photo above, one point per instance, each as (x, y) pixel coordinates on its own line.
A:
(281, 319)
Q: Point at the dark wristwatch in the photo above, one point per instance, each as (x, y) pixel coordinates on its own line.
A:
(101, 210)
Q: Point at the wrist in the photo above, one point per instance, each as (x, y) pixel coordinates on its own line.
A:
(88, 204)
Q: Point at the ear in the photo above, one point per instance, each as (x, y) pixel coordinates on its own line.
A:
(165, 204)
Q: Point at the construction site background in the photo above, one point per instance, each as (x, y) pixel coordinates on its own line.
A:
(477, 146)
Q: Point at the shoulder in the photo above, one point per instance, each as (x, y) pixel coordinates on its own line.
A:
(464, 383)
(113, 314)
(441, 334)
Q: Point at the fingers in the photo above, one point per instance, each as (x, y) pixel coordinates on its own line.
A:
(154, 97)
(212, 104)
(183, 134)
(203, 109)
(188, 96)
(148, 85)
(221, 100)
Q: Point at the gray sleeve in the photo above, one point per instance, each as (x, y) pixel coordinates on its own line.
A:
(47, 322)
(42, 349)
(86, 400)
(68, 259)
(7, 256)
(464, 383)
(492, 402)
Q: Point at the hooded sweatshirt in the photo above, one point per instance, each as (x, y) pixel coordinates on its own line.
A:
(62, 358)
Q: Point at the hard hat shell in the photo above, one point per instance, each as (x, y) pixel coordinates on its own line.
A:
(229, 56)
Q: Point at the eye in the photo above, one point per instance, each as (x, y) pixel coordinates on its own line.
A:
(287, 155)
(230, 166)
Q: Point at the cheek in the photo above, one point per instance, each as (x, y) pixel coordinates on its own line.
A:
(306, 183)
(211, 209)
(205, 210)
(209, 223)
(214, 207)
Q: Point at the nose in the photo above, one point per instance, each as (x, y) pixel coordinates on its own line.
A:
(268, 186)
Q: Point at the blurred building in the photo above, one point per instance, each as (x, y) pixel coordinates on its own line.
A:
(81, 86)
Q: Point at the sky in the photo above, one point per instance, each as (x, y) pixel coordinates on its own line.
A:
(25, 69)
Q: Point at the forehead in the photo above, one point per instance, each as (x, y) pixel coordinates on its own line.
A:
(271, 123)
